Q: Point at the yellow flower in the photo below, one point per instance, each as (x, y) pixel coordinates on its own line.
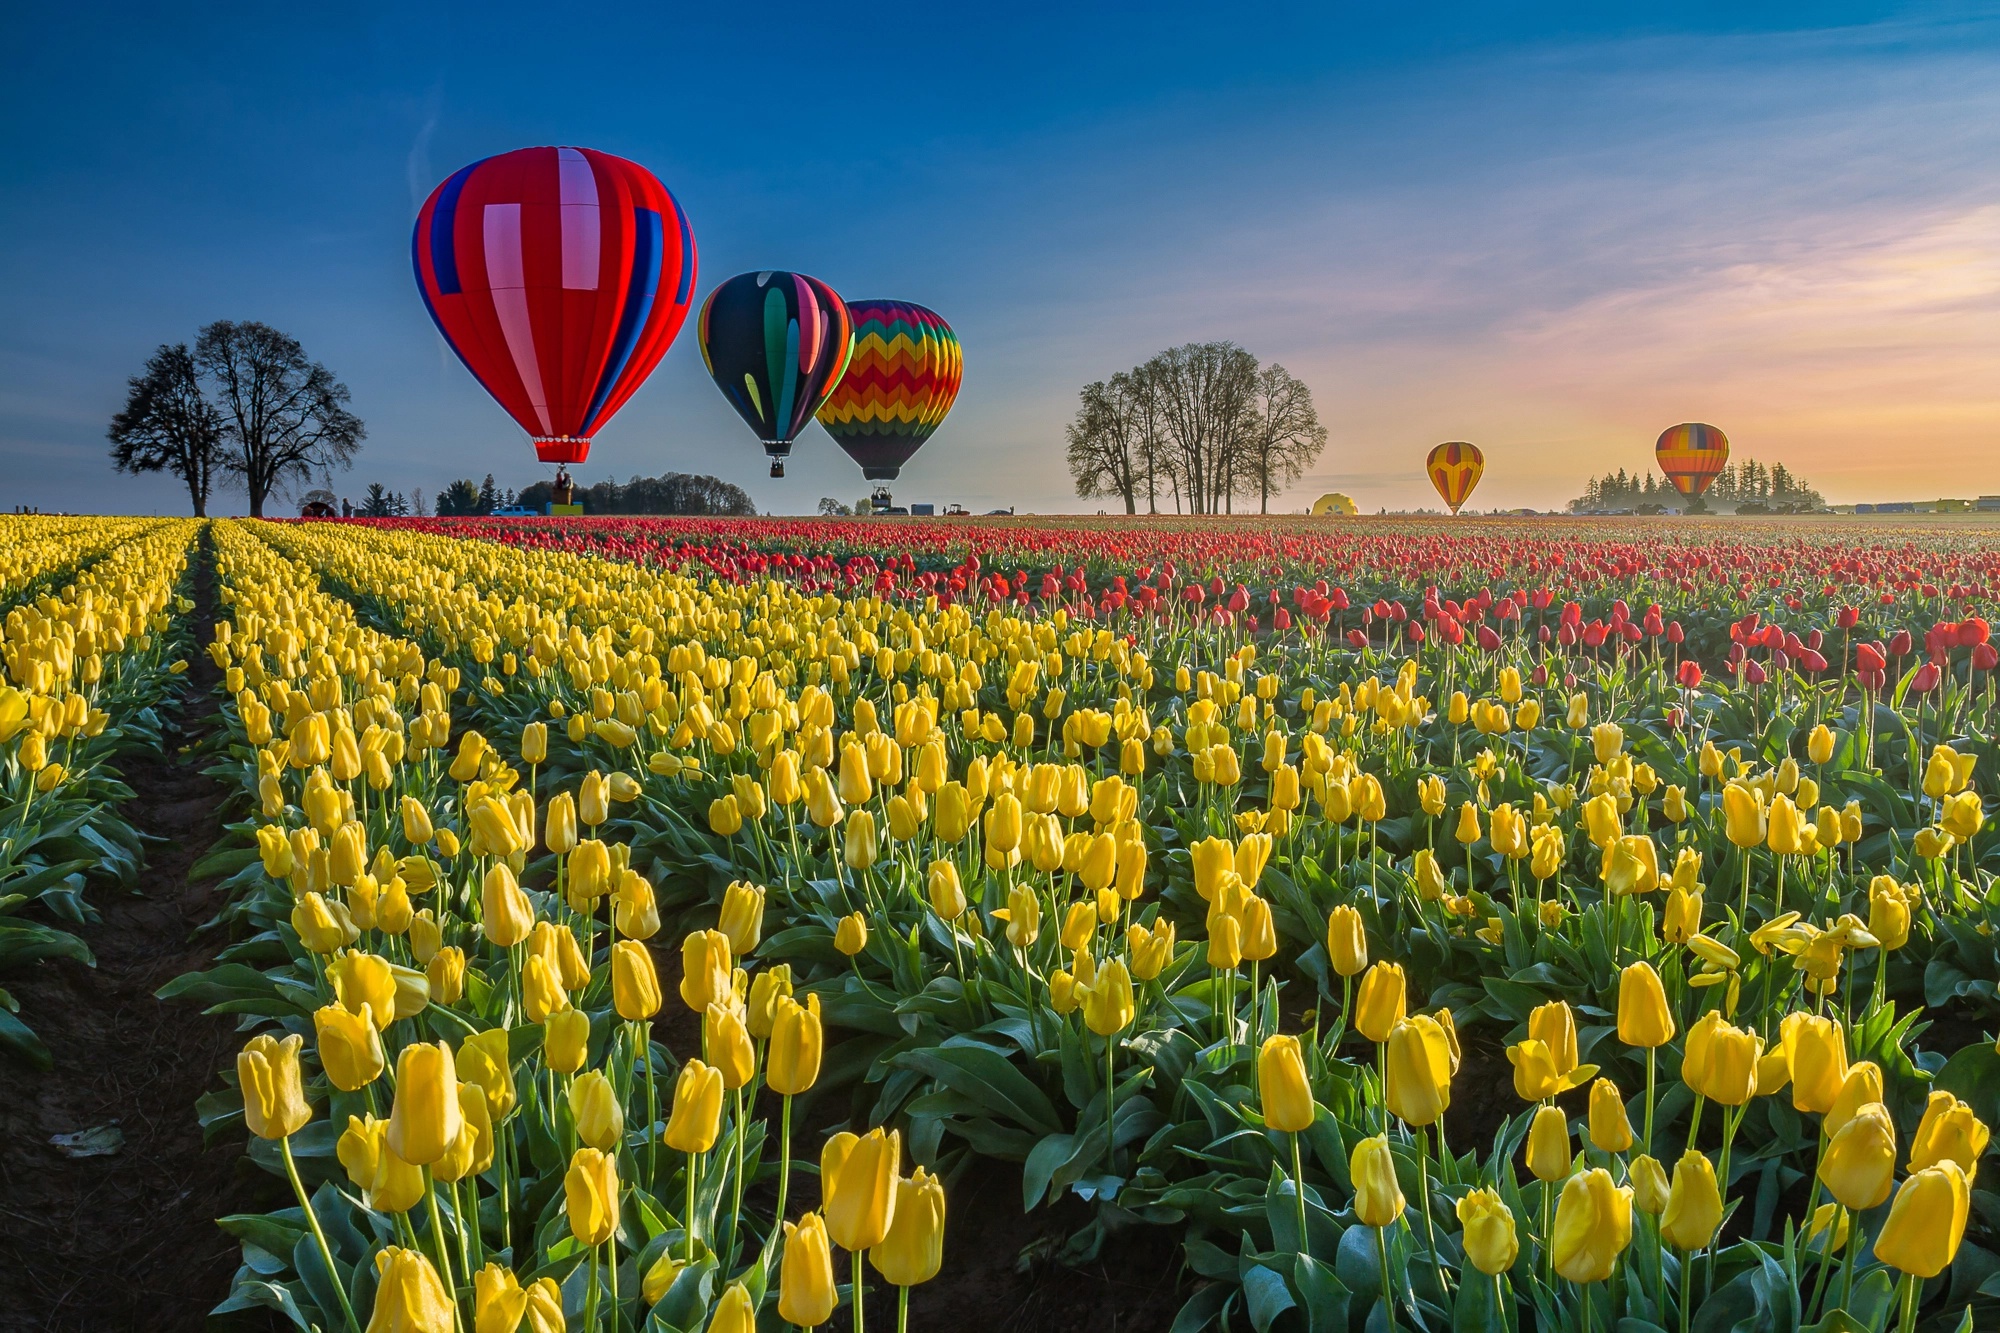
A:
(1743, 815)
(590, 1196)
(793, 1058)
(858, 1187)
(1378, 1198)
(1419, 1065)
(267, 1071)
(1858, 1167)
(913, 1251)
(696, 1118)
(1490, 1239)
(409, 1295)
(1593, 1225)
(350, 1047)
(1548, 1151)
(1610, 1127)
(1949, 1132)
(1927, 1221)
(1644, 1019)
(426, 1118)
(1382, 1001)
(594, 1108)
(807, 1293)
(1694, 1204)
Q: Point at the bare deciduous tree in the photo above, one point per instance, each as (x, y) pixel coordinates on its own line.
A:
(169, 426)
(1284, 435)
(284, 417)
(1202, 421)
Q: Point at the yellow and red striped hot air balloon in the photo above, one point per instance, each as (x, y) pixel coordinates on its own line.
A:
(1691, 454)
(1455, 468)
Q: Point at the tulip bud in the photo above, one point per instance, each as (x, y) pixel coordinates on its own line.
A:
(350, 1047)
(793, 1058)
(705, 969)
(565, 1040)
(590, 1196)
(1694, 1204)
(697, 1113)
(635, 986)
(1378, 1198)
(850, 936)
(1286, 1094)
(1858, 1167)
(1346, 941)
(1381, 1003)
(593, 1105)
(1419, 1066)
(506, 915)
(807, 1291)
(484, 1060)
(1644, 1019)
(1610, 1127)
(1650, 1190)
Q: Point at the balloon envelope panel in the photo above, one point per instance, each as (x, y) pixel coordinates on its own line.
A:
(1455, 468)
(560, 276)
(776, 344)
(1691, 454)
(900, 383)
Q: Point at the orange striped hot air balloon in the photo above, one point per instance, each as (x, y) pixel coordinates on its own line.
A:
(1691, 454)
(1455, 468)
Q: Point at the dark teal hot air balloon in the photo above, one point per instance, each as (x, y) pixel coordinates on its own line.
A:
(776, 344)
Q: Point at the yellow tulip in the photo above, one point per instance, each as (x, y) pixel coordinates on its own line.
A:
(1593, 1225)
(1949, 1132)
(1694, 1204)
(807, 1292)
(793, 1058)
(1548, 1152)
(635, 985)
(1644, 1020)
(1382, 1001)
(409, 1295)
(705, 969)
(425, 1119)
(850, 935)
(594, 1108)
(1610, 1127)
(696, 1118)
(506, 915)
(1286, 1096)
(267, 1072)
(913, 1251)
(1490, 1240)
(1816, 1054)
(1743, 815)
(1858, 1167)
(1346, 941)
(1927, 1221)
(858, 1187)
(590, 1196)
(1419, 1065)
(350, 1047)
(1378, 1198)
(565, 1040)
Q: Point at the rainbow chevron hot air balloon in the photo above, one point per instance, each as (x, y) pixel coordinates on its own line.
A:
(899, 385)
(1691, 455)
(1455, 468)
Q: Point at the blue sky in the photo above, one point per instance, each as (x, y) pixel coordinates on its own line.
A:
(1552, 230)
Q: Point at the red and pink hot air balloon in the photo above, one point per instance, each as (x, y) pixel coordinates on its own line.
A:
(560, 277)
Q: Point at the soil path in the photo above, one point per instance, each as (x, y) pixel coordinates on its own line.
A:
(126, 1241)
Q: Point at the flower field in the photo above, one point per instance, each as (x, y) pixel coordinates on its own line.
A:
(651, 924)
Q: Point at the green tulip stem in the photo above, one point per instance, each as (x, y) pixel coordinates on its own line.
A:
(859, 1310)
(319, 1236)
(645, 1040)
(1299, 1190)
(1687, 1295)
(1909, 1294)
(1651, 1061)
(736, 1207)
(1847, 1259)
(1548, 1241)
(1110, 1102)
(468, 1225)
(784, 1159)
(590, 1298)
(1424, 1190)
(611, 1270)
(902, 1310)
(437, 1240)
(688, 1221)
(1388, 1299)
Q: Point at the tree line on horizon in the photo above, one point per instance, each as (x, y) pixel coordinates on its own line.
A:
(1200, 426)
(1747, 487)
